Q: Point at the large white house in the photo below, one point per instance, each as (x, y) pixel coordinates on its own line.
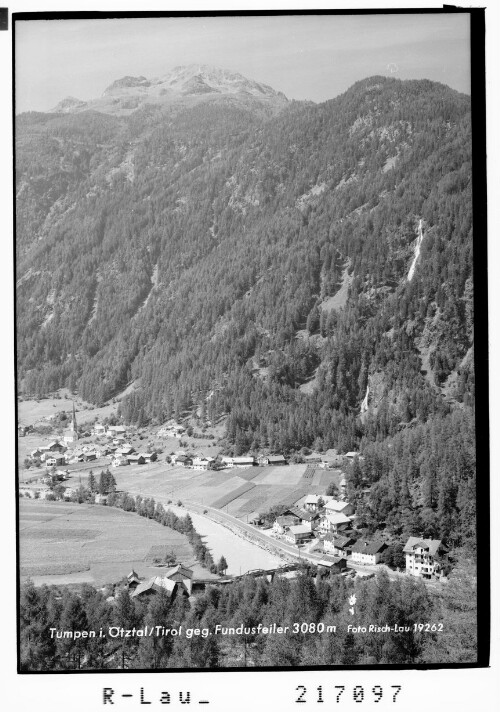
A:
(421, 556)
(365, 551)
(333, 522)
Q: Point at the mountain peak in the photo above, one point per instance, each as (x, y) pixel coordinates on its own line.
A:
(186, 84)
(125, 83)
(67, 105)
(214, 79)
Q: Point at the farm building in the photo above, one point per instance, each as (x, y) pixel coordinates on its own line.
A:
(114, 430)
(55, 460)
(297, 534)
(338, 545)
(336, 564)
(154, 585)
(202, 463)
(133, 580)
(175, 580)
(125, 450)
(285, 522)
(273, 460)
(238, 461)
(135, 459)
(310, 519)
(334, 505)
(313, 502)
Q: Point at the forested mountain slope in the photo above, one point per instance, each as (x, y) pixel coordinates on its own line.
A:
(194, 247)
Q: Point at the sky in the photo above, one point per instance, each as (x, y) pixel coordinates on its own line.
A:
(310, 57)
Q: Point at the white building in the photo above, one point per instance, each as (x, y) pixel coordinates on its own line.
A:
(334, 505)
(421, 556)
(365, 551)
(333, 522)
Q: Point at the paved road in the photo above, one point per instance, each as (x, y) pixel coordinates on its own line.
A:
(289, 550)
(226, 519)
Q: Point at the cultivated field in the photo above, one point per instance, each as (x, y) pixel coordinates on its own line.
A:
(78, 542)
(239, 492)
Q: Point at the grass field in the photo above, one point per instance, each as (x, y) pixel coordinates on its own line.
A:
(234, 490)
(90, 542)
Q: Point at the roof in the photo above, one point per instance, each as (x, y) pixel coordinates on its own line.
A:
(331, 562)
(341, 541)
(308, 516)
(352, 453)
(313, 498)
(155, 584)
(363, 546)
(336, 505)
(415, 542)
(276, 458)
(300, 529)
(181, 569)
(286, 520)
(337, 518)
(240, 460)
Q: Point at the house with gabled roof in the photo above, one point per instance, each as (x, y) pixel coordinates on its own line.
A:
(313, 502)
(154, 585)
(182, 575)
(309, 519)
(125, 449)
(422, 556)
(56, 446)
(333, 522)
(334, 564)
(133, 580)
(297, 534)
(135, 459)
(365, 551)
(338, 545)
(335, 505)
(273, 460)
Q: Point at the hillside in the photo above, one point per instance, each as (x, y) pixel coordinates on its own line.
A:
(219, 246)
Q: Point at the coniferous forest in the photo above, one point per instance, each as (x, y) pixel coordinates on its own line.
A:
(248, 603)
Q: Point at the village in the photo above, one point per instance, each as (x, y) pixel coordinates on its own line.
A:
(303, 514)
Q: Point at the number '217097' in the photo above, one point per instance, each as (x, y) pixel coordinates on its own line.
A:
(341, 692)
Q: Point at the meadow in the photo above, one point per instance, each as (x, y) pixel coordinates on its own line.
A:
(89, 542)
(240, 492)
